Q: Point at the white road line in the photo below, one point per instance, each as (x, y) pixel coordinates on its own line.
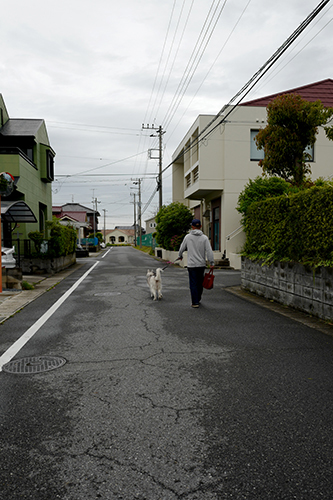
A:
(17, 346)
(104, 255)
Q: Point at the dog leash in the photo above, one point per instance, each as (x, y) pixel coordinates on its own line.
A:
(170, 264)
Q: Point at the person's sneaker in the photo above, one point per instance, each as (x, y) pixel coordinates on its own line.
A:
(195, 305)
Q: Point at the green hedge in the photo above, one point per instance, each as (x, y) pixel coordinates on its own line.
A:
(62, 239)
(296, 227)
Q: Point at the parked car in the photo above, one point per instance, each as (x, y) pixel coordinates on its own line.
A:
(7, 257)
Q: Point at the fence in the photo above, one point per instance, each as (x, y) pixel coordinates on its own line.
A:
(26, 249)
(147, 240)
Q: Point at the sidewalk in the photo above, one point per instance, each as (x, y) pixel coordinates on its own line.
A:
(12, 301)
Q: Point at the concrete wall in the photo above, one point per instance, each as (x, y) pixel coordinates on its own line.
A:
(304, 288)
(47, 266)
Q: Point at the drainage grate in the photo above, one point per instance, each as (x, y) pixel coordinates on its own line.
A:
(36, 364)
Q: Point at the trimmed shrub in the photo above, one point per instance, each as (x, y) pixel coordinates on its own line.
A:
(297, 227)
(259, 189)
(62, 239)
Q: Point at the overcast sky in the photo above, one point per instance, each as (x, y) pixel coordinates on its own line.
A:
(95, 70)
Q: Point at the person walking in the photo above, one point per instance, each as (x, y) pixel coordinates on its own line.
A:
(198, 249)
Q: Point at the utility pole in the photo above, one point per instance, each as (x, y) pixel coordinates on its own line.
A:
(134, 194)
(138, 182)
(94, 204)
(104, 210)
(160, 133)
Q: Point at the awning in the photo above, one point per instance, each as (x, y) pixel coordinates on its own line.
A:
(16, 211)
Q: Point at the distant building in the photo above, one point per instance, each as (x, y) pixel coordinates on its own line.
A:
(119, 236)
(150, 225)
(84, 219)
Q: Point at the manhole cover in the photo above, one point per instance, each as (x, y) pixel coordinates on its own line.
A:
(107, 294)
(36, 364)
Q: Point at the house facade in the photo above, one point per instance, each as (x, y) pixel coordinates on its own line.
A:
(26, 153)
(209, 176)
(150, 225)
(83, 219)
(119, 236)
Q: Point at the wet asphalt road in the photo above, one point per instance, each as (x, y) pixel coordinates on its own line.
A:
(159, 401)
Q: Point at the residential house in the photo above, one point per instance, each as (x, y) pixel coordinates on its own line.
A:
(84, 219)
(120, 236)
(151, 225)
(208, 176)
(25, 153)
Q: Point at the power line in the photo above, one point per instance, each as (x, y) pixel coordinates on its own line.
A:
(195, 58)
(242, 93)
(211, 67)
(106, 165)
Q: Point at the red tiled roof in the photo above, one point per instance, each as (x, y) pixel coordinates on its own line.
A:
(319, 91)
(79, 216)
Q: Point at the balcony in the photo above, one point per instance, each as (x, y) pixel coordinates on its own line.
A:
(197, 188)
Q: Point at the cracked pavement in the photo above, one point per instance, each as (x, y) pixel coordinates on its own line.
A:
(158, 401)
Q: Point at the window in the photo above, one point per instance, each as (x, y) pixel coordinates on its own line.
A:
(50, 166)
(195, 174)
(259, 154)
(188, 180)
(42, 216)
(255, 153)
(310, 151)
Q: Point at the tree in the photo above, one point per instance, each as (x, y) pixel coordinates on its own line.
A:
(292, 125)
(173, 220)
(258, 190)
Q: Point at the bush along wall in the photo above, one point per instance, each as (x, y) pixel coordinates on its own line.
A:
(295, 227)
(62, 239)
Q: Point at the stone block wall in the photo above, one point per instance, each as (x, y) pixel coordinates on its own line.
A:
(47, 266)
(304, 288)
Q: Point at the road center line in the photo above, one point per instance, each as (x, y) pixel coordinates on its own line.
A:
(17, 346)
(105, 254)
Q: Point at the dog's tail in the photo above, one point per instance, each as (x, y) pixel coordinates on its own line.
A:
(158, 274)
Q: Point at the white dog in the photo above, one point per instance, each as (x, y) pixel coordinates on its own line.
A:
(154, 281)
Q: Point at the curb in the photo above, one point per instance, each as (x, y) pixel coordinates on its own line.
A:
(300, 317)
(12, 302)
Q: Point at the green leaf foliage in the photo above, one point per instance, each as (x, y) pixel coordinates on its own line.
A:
(297, 227)
(37, 237)
(172, 220)
(62, 239)
(292, 125)
(259, 189)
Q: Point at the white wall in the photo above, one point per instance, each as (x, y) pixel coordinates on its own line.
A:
(225, 167)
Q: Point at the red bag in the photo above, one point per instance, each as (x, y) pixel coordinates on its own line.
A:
(208, 281)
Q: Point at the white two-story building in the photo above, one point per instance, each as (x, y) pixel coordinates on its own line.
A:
(209, 176)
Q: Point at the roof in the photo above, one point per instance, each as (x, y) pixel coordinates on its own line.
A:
(78, 216)
(21, 127)
(75, 207)
(319, 91)
(128, 232)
